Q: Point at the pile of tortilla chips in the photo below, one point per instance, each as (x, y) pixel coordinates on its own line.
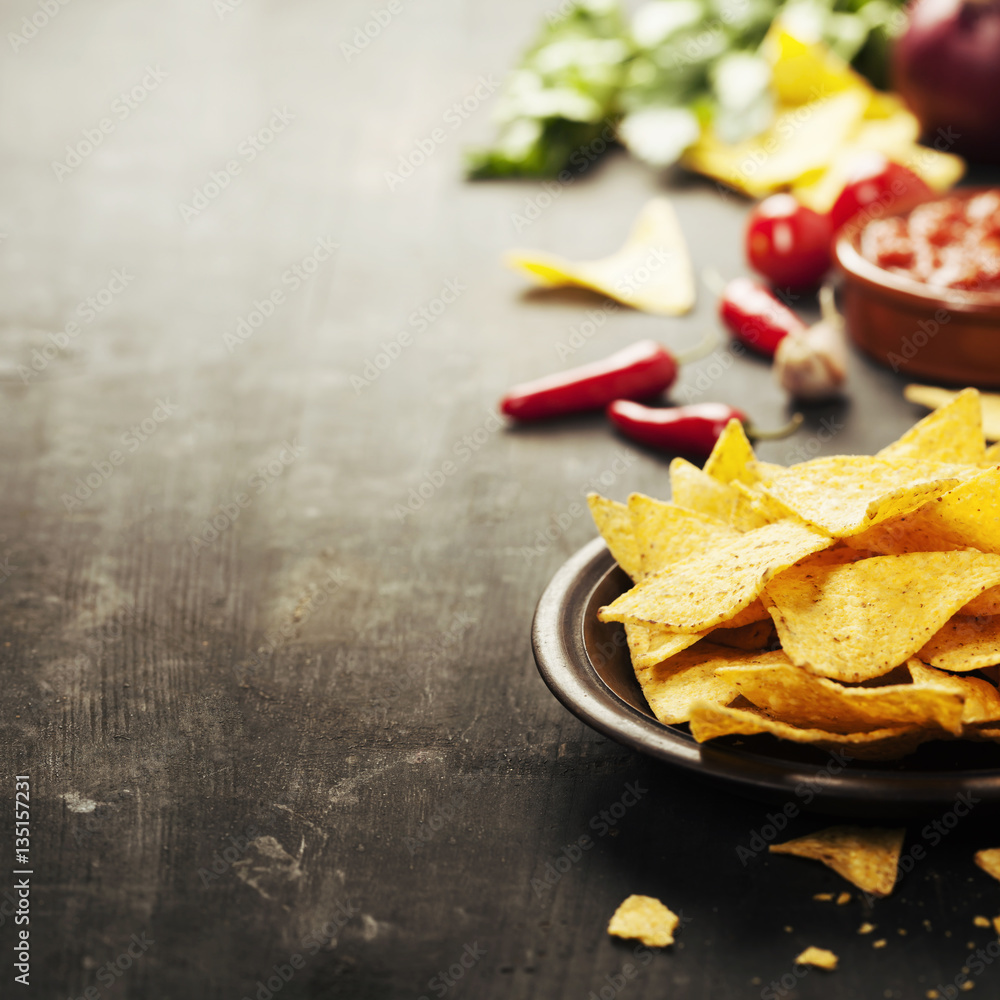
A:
(845, 602)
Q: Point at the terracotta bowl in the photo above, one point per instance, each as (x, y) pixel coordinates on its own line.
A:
(941, 334)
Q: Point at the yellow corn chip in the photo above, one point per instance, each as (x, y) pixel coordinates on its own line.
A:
(989, 861)
(982, 700)
(694, 489)
(844, 495)
(867, 857)
(693, 675)
(964, 643)
(894, 135)
(666, 533)
(935, 398)
(967, 516)
(913, 532)
(801, 69)
(985, 605)
(792, 695)
(615, 525)
(732, 457)
(709, 589)
(645, 919)
(953, 433)
(651, 272)
(710, 721)
(652, 644)
(801, 139)
(819, 957)
(858, 621)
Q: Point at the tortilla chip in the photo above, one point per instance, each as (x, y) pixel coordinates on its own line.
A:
(989, 861)
(819, 957)
(615, 525)
(645, 919)
(762, 505)
(866, 856)
(894, 135)
(732, 457)
(844, 495)
(968, 515)
(953, 433)
(709, 589)
(910, 533)
(964, 643)
(696, 490)
(651, 272)
(793, 695)
(981, 699)
(652, 644)
(666, 533)
(710, 721)
(935, 398)
(800, 140)
(694, 675)
(985, 605)
(858, 621)
(659, 643)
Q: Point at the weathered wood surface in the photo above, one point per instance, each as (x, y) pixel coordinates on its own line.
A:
(350, 689)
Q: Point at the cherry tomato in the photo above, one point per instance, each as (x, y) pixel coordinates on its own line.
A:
(875, 187)
(788, 243)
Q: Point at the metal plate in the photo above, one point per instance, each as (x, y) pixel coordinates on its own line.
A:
(586, 665)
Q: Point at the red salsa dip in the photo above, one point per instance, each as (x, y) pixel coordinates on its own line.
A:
(952, 242)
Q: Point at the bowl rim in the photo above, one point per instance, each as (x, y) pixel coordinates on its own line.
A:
(909, 291)
(561, 655)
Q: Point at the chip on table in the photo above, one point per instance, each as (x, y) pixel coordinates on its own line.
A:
(645, 919)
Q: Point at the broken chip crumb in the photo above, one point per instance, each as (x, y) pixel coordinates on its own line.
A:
(901, 932)
(823, 897)
(866, 928)
(981, 921)
(844, 897)
(880, 943)
(646, 919)
(967, 985)
(756, 981)
(789, 928)
(866, 856)
(989, 861)
(818, 957)
(933, 995)
(927, 925)
(996, 924)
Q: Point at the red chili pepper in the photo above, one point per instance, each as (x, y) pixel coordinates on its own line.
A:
(692, 430)
(637, 372)
(755, 317)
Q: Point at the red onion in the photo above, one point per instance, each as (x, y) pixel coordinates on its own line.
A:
(946, 66)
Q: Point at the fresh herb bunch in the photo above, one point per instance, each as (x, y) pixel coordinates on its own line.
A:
(659, 77)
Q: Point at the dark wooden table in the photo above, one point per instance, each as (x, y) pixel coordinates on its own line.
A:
(283, 730)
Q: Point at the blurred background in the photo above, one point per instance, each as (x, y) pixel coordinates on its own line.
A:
(270, 555)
